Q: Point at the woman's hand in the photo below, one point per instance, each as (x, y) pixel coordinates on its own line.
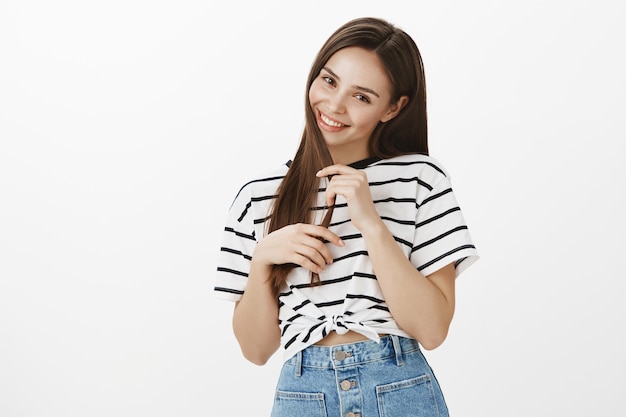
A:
(353, 186)
(301, 244)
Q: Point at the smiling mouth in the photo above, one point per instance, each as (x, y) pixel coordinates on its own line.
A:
(329, 121)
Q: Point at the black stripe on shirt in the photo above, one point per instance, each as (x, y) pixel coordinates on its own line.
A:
(232, 271)
(244, 212)
(268, 179)
(436, 238)
(365, 297)
(460, 248)
(436, 196)
(404, 222)
(308, 335)
(394, 163)
(351, 255)
(235, 252)
(330, 303)
(438, 216)
(228, 290)
(363, 275)
(290, 342)
(394, 180)
(304, 303)
(239, 234)
(395, 200)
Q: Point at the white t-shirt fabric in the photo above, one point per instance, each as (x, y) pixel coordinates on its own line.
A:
(414, 197)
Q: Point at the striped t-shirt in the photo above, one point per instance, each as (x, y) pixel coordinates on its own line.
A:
(414, 197)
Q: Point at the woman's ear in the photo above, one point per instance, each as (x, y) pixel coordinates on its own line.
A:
(394, 109)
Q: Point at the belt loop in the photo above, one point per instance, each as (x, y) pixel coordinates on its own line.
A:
(395, 340)
(299, 364)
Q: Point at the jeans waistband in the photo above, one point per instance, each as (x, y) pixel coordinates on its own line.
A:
(389, 347)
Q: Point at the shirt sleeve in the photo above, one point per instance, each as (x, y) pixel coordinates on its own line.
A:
(441, 234)
(235, 255)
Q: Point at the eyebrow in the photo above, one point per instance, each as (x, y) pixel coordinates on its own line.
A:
(358, 87)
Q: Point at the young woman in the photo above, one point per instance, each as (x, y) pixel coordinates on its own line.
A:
(346, 257)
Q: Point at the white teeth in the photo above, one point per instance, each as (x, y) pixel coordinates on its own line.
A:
(330, 122)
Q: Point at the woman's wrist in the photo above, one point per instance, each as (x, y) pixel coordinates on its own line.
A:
(374, 230)
(260, 272)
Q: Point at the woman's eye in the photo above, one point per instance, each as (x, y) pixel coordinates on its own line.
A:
(328, 80)
(363, 98)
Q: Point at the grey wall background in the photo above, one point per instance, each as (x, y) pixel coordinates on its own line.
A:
(126, 127)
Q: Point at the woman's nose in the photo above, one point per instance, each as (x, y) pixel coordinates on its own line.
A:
(336, 103)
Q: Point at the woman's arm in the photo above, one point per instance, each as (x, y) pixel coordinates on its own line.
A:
(422, 306)
(255, 319)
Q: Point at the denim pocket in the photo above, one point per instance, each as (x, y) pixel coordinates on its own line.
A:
(289, 404)
(413, 397)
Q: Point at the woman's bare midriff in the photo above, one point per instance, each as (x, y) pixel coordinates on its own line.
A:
(333, 338)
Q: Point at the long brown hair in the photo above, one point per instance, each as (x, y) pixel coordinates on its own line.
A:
(406, 133)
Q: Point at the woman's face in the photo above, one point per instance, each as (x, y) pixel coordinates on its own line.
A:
(349, 97)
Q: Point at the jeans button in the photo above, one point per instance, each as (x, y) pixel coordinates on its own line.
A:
(340, 355)
(345, 385)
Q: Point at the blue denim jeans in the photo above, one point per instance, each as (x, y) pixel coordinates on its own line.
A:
(363, 379)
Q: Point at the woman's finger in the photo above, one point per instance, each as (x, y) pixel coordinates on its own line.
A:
(337, 169)
(321, 233)
(317, 257)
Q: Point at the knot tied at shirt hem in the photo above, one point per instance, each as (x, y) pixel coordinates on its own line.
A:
(342, 325)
